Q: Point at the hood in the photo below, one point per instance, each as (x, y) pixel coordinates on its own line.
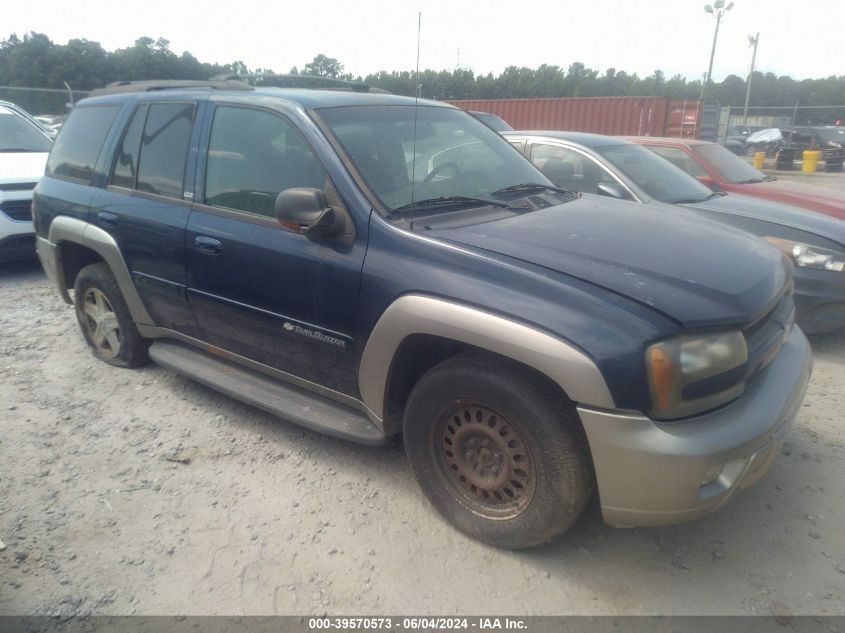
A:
(697, 272)
(820, 199)
(22, 166)
(826, 227)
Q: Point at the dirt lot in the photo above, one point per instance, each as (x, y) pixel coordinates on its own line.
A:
(257, 516)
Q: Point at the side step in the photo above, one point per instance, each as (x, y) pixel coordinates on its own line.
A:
(282, 399)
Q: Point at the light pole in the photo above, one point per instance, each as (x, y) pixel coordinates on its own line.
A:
(718, 9)
(752, 41)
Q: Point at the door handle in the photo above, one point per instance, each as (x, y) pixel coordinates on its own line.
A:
(207, 245)
(107, 219)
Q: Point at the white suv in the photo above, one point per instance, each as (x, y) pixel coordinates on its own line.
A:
(24, 147)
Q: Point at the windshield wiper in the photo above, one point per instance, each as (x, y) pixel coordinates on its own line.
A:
(704, 199)
(22, 149)
(530, 186)
(450, 201)
(750, 181)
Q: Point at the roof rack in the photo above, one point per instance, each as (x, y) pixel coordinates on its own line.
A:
(170, 84)
(298, 81)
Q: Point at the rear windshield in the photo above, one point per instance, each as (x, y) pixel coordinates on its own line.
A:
(19, 135)
(731, 166)
(407, 154)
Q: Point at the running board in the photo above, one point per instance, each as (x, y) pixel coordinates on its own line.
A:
(282, 399)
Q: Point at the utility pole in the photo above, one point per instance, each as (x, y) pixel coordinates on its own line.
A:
(718, 9)
(752, 41)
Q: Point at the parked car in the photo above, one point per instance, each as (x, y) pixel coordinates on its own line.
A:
(23, 152)
(493, 121)
(327, 257)
(719, 169)
(735, 141)
(596, 164)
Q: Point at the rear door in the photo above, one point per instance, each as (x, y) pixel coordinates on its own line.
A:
(270, 295)
(144, 206)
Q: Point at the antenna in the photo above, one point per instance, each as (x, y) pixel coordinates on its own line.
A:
(416, 106)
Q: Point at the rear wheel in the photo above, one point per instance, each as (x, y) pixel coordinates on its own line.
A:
(105, 320)
(501, 455)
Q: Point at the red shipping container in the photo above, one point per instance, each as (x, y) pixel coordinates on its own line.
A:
(638, 116)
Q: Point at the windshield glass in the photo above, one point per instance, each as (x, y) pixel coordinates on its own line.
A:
(659, 178)
(452, 154)
(731, 166)
(19, 135)
(832, 134)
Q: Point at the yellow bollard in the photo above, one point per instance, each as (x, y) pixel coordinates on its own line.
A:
(811, 160)
(759, 158)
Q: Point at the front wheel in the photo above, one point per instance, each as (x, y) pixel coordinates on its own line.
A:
(500, 454)
(105, 320)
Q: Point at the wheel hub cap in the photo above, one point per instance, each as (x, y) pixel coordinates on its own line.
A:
(101, 321)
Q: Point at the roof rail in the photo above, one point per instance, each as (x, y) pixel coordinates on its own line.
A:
(169, 84)
(298, 81)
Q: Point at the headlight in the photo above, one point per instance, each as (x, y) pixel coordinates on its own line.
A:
(694, 373)
(809, 256)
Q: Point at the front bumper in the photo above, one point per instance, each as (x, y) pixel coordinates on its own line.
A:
(17, 239)
(819, 299)
(652, 473)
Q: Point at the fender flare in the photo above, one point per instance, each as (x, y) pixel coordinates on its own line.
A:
(562, 362)
(66, 229)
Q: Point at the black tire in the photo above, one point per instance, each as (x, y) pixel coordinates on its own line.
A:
(484, 397)
(132, 348)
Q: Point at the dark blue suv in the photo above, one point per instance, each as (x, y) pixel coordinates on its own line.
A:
(365, 264)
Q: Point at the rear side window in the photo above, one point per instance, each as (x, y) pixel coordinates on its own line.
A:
(126, 160)
(164, 148)
(75, 152)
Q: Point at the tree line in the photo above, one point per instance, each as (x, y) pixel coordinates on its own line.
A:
(36, 61)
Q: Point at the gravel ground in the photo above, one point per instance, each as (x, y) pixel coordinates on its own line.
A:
(138, 491)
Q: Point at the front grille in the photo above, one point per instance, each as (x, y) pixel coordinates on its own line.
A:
(18, 210)
(766, 335)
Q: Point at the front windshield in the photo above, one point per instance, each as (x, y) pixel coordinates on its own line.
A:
(836, 134)
(731, 166)
(450, 154)
(19, 135)
(656, 176)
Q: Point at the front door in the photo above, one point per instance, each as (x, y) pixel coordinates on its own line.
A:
(256, 289)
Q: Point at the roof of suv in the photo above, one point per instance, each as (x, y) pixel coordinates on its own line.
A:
(306, 97)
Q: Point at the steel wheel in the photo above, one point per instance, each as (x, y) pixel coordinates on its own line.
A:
(102, 323)
(485, 461)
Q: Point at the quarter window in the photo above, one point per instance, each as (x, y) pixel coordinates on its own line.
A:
(253, 156)
(75, 152)
(164, 148)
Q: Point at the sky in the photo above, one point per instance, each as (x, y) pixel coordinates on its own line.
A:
(801, 39)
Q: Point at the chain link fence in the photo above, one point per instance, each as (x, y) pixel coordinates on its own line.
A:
(42, 101)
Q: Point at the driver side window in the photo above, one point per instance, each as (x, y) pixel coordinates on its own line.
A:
(253, 155)
(679, 158)
(569, 169)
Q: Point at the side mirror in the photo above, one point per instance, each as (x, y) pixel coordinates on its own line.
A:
(709, 182)
(612, 190)
(305, 210)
